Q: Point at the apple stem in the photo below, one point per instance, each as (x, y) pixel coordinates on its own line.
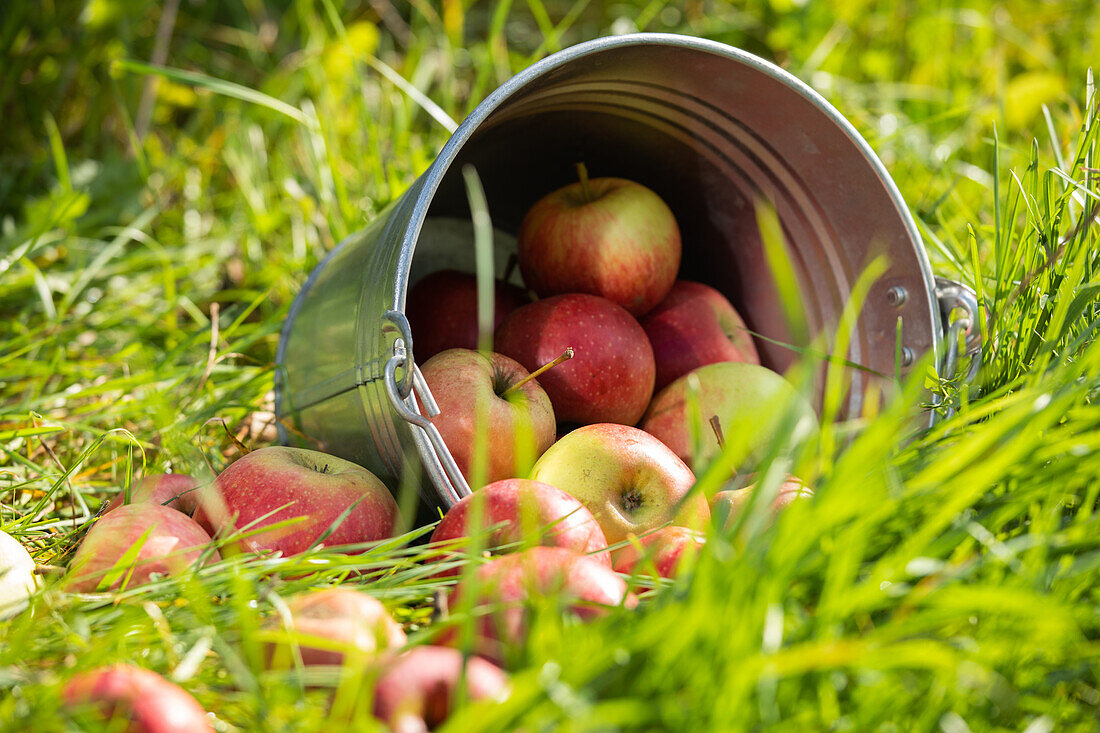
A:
(586, 190)
(716, 426)
(565, 356)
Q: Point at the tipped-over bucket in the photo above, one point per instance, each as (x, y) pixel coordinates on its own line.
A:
(713, 130)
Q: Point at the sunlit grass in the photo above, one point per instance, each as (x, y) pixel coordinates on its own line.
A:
(941, 579)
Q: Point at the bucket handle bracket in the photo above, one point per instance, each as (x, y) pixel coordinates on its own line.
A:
(403, 396)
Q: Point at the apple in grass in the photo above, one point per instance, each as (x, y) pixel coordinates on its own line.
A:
(175, 490)
(442, 310)
(664, 550)
(417, 690)
(308, 492)
(693, 326)
(629, 480)
(17, 579)
(730, 503)
(144, 699)
(329, 624)
(167, 541)
(605, 236)
(527, 512)
(748, 403)
(508, 587)
(471, 386)
(609, 378)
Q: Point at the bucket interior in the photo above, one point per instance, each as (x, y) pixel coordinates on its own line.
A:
(713, 132)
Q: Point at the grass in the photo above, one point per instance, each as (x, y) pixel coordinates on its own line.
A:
(943, 579)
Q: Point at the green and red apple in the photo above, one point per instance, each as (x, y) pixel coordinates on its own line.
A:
(749, 401)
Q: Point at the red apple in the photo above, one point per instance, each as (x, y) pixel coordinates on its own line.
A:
(529, 512)
(609, 378)
(148, 701)
(731, 502)
(695, 325)
(609, 237)
(748, 400)
(279, 483)
(328, 623)
(582, 587)
(628, 479)
(175, 490)
(519, 424)
(666, 548)
(170, 541)
(17, 579)
(442, 311)
(416, 690)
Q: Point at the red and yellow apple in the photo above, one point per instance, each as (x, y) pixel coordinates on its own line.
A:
(170, 543)
(175, 490)
(609, 378)
(693, 326)
(505, 587)
(144, 700)
(527, 512)
(606, 236)
(663, 550)
(330, 624)
(313, 490)
(630, 481)
(442, 311)
(416, 690)
(472, 390)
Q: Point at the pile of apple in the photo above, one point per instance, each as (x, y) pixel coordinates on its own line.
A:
(584, 473)
(613, 385)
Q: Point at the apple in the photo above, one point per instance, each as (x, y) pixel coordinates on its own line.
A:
(666, 548)
(175, 490)
(695, 325)
(17, 579)
(416, 690)
(519, 423)
(170, 541)
(606, 236)
(629, 480)
(149, 702)
(729, 503)
(507, 585)
(279, 483)
(442, 311)
(610, 377)
(327, 623)
(748, 400)
(528, 512)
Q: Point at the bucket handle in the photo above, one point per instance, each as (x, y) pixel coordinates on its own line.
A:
(403, 398)
(953, 297)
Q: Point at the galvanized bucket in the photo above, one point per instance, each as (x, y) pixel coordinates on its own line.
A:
(711, 129)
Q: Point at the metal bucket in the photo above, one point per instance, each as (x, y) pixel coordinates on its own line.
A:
(711, 129)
